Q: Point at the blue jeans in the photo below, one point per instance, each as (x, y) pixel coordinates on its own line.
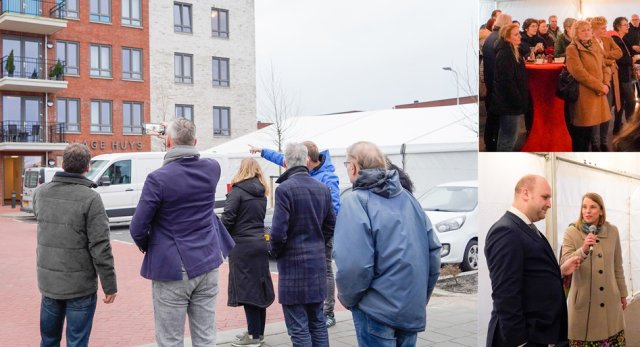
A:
(79, 313)
(373, 333)
(508, 133)
(306, 325)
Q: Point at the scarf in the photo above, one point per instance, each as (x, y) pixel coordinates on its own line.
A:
(585, 227)
(179, 152)
(586, 44)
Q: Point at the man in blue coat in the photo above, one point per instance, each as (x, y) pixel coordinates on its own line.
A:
(387, 254)
(303, 222)
(183, 240)
(322, 170)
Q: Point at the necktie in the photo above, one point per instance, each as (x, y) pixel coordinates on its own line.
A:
(533, 227)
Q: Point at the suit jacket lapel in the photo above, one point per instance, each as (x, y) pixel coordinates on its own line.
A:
(532, 234)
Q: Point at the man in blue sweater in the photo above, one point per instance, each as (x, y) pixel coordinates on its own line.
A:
(322, 170)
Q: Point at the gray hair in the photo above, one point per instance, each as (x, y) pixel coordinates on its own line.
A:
(76, 158)
(367, 155)
(295, 154)
(182, 132)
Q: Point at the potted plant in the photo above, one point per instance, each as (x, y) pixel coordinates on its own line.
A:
(10, 66)
(57, 71)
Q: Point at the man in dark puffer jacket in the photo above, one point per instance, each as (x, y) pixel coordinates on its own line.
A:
(73, 249)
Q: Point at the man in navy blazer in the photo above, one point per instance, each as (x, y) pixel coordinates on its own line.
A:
(529, 305)
(303, 222)
(183, 240)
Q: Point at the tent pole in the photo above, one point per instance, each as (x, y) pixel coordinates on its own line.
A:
(552, 219)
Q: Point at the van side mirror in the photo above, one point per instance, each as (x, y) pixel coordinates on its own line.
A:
(105, 181)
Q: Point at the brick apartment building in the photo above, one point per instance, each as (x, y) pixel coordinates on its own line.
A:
(101, 93)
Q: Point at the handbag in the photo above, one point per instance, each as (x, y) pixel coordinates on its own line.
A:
(567, 86)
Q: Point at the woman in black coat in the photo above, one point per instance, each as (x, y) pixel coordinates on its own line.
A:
(625, 67)
(510, 92)
(250, 282)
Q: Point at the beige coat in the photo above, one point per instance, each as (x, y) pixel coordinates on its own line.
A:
(595, 311)
(612, 52)
(589, 69)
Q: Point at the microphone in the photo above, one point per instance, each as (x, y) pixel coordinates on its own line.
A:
(592, 230)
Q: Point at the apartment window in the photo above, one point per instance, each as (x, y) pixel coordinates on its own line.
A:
(131, 64)
(68, 111)
(181, 17)
(219, 22)
(184, 111)
(131, 13)
(220, 72)
(67, 53)
(100, 11)
(70, 8)
(183, 68)
(132, 118)
(221, 121)
(100, 61)
(100, 116)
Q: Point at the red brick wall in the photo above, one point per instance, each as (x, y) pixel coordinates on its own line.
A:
(114, 89)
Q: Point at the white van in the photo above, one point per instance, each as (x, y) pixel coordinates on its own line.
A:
(120, 178)
(33, 178)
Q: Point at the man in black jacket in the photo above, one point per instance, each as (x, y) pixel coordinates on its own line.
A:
(528, 298)
(73, 250)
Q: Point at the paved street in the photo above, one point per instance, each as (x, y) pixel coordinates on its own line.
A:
(129, 321)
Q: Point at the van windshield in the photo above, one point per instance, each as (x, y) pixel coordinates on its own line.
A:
(31, 179)
(95, 169)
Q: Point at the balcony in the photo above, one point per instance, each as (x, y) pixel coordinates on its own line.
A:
(33, 16)
(34, 136)
(29, 76)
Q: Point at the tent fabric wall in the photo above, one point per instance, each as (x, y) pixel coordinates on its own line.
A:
(498, 174)
(521, 10)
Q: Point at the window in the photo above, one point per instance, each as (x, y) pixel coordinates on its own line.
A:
(67, 53)
(132, 118)
(183, 68)
(181, 17)
(219, 22)
(100, 11)
(100, 116)
(131, 13)
(221, 121)
(184, 111)
(100, 61)
(70, 8)
(220, 72)
(69, 114)
(119, 172)
(131, 64)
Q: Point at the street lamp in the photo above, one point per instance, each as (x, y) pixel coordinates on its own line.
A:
(447, 68)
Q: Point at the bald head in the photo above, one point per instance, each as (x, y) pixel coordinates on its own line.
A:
(532, 196)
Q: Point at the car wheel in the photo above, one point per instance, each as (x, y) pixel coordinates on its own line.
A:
(470, 261)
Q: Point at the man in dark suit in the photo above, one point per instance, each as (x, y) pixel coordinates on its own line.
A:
(303, 222)
(528, 299)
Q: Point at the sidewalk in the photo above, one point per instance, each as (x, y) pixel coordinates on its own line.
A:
(451, 322)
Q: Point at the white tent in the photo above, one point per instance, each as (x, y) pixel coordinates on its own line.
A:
(436, 144)
(615, 176)
(579, 9)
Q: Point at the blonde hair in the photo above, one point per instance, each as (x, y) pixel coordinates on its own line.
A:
(576, 26)
(250, 168)
(598, 200)
(502, 20)
(598, 21)
(505, 32)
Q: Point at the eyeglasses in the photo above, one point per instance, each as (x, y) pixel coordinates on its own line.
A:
(346, 164)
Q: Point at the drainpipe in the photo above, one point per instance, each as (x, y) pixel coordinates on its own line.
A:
(403, 152)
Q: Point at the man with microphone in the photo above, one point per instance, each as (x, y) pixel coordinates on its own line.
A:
(528, 298)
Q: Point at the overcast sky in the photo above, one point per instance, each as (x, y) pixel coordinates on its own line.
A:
(344, 55)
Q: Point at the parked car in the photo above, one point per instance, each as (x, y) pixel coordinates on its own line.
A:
(453, 208)
(33, 178)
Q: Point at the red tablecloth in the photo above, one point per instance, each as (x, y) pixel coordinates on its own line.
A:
(549, 131)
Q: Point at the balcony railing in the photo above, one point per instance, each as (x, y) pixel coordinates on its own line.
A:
(19, 131)
(54, 9)
(33, 68)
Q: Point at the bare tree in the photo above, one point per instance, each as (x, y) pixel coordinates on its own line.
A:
(164, 111)
(278, 107)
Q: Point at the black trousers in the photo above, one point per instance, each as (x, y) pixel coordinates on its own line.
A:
(581, 138)
(256, 320)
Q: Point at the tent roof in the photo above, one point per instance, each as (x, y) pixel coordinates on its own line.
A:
(436, 129)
